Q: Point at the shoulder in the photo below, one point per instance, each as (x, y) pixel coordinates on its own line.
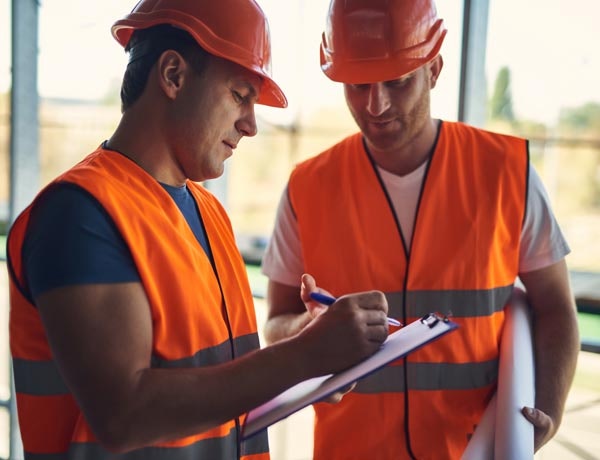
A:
(498, 151)
(63, 200)
(64, 210)
(468, 133)
(71, 239)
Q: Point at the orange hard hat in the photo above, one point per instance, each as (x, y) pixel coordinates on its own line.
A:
(368, 41)
(236, 30)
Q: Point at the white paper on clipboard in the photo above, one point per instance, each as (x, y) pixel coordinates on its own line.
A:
(397, 345)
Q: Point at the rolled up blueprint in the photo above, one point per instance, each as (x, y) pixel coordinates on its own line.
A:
(503, 432)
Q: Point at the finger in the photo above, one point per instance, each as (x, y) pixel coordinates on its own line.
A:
(315, 309)
(543, 425)
(335, 397)
(308, 283)
(537, 418)
(373, 300)
(377, 334)
(374, 317)
(367, 302)
(347, 389)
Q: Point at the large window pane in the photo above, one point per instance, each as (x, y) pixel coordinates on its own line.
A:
(543, 70)
(80, 70)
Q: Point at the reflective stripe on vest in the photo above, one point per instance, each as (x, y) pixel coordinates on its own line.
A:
(212, 448)
(453, 303)
(213, 355)
(42, 378)
(462, 261)
(430, 376)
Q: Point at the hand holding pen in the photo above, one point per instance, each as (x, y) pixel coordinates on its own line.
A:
(351, 329)
(328, 300)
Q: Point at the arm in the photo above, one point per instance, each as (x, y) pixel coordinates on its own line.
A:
(289, 310)
(101, 337)
(283, 265)
(556, 346)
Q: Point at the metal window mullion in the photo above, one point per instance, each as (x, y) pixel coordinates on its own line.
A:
(472, 98)
(24, 142)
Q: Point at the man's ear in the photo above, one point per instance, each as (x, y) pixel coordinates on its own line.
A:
(171, 72)
(435, 68)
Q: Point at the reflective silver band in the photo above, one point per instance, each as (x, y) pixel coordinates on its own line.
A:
(212, 448)
(457, 303)
(430, 376)
(42, 378)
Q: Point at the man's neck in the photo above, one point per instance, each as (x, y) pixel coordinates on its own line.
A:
(412, 154)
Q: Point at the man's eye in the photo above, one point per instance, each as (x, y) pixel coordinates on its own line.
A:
(237, 96)
(398, 83)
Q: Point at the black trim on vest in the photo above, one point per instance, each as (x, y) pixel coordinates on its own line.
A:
(527, 166)
(407, 252)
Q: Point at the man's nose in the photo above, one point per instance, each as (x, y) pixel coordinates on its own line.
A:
(379, 99)
(246, 125)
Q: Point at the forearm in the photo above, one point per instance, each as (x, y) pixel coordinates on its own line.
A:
(166, 404)
(556, 344)
(129, 405)
(557, 347)
(285, 325)
(287, 313)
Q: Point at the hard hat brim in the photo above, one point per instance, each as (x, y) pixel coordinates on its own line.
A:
(363, 71)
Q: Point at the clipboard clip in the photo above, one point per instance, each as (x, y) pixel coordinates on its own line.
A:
(431, 319)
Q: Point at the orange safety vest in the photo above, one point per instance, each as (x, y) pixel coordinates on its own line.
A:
(183, 291)
(462, 262)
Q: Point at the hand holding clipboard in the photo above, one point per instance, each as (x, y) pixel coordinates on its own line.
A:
(397, 345)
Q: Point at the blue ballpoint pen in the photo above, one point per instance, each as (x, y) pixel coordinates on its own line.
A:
(327, 300)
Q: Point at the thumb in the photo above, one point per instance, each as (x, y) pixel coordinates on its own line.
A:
(307, 286)
(308, 282)
(538, 418)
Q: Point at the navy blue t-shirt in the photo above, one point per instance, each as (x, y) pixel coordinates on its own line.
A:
(72, 240)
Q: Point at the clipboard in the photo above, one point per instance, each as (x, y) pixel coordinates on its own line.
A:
(398, 344)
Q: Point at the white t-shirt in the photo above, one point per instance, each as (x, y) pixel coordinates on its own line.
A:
(542, 242)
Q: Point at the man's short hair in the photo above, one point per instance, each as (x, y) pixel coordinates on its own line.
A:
(145, 47)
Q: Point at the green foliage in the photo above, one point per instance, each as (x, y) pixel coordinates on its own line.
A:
(583, 118)
(583, 123)
(501, 107)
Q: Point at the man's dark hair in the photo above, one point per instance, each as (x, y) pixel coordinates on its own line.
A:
(145, 47)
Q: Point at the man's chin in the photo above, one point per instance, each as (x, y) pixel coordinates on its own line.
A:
(210, 175)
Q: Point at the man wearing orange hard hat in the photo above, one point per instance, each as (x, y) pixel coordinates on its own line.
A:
(440, 216)
(132, 328)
